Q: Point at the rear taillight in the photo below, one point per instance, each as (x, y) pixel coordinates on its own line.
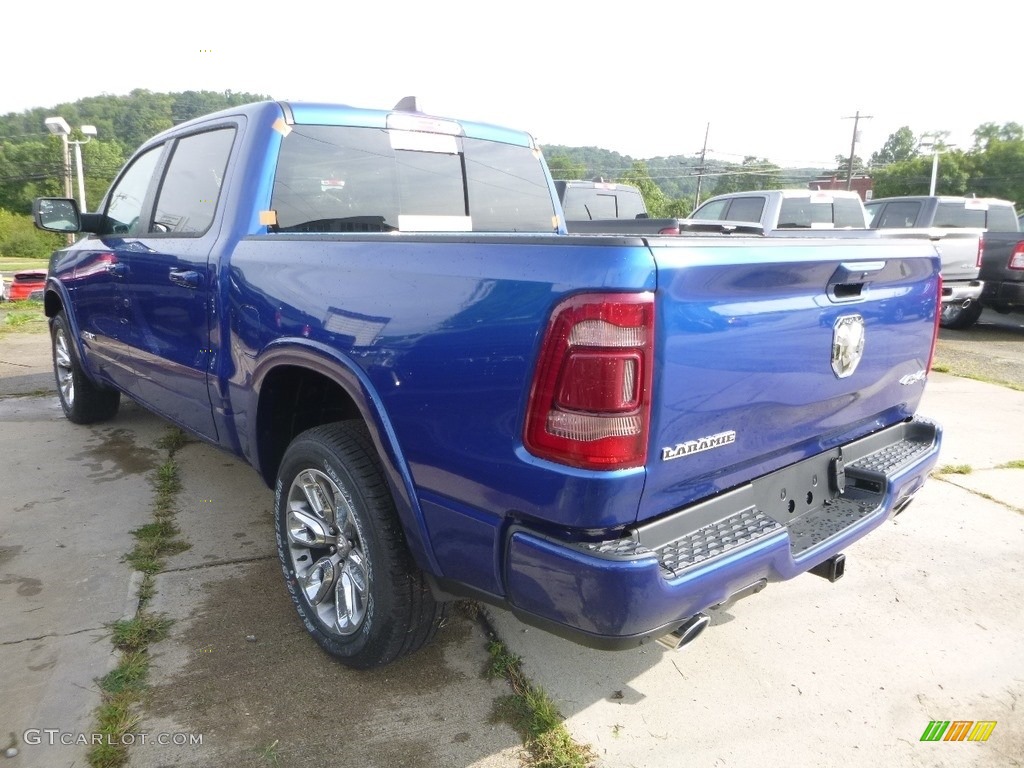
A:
(935, 329)
(590, 400)
(669, 230)
(1017, 257)
(981, 251)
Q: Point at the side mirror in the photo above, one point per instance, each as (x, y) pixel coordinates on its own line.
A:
(56, 214)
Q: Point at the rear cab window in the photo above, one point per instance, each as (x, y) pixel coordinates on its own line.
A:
(820, 212)
(342, 179)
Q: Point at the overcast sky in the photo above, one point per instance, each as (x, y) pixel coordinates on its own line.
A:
(774, 79)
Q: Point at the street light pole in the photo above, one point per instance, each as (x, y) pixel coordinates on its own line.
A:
(59, 127)
(88, 131)
(935, 170)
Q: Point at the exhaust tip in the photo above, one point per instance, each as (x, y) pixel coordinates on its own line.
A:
(686, 632)
(831, 569)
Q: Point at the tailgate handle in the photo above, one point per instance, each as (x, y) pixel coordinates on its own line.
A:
(847, 282)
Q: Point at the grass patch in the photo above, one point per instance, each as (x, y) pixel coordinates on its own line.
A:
(23, 317)
(940, 368)
(1015, 464)
(173, 440)
(530, 711)
(269, 754)
(123, 687)
(18, 263)
(955, 469)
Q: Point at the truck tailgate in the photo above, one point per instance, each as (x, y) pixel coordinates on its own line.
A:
(746, 381)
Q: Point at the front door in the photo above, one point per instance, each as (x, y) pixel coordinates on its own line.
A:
(170, 281)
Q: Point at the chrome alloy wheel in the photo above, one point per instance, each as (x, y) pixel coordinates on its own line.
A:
(65, 371)
(326, 552)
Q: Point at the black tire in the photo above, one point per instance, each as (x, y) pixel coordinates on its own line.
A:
(83, 401)
(346, 565)
(957, 318)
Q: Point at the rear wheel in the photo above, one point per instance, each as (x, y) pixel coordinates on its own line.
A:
(957, 317)
(83, 401)
(345, 561)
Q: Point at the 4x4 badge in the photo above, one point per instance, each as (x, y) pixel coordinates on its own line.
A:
(847, 345)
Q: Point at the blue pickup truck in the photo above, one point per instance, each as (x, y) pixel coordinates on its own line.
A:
(383, 313)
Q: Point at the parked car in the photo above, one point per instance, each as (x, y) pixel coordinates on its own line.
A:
(27, 284)
(957, 226)
(787, 209)
(605, 207)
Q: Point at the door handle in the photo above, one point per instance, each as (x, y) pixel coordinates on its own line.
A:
(117, 269)
(186, 278)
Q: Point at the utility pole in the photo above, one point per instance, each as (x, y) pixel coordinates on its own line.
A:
(853, 145)
(700, 171)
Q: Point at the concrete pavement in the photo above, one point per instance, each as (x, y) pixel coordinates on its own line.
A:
(925, 625)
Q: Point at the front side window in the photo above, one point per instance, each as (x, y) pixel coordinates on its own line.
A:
(343, 179)
(713, 211)
(191, 186)
(124, 206)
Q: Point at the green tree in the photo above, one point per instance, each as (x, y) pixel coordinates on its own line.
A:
(913, 176)
(901, 145)
(843, 165)
(988, 133)
(752, 174)
(563, 167)
(998, 169)
(640, 177)
(20, 238)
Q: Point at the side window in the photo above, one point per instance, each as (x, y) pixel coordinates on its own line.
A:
(872, 212)
(1001, 218)
(899, 215)
(124, 203)
(191, 186)
(746, 209)
(713, 210)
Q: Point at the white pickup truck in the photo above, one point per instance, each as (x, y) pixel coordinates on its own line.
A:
(787, 209)
(957, 226)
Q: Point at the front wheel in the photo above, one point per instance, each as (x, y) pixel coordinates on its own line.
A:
(957, 317)
(82, 401)
(345, 562)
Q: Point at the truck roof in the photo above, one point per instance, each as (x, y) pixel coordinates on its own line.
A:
(322, 113)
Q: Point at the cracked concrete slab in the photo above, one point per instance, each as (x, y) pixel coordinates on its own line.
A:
(72, 495)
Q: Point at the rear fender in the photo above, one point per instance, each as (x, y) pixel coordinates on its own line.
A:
(340, 369)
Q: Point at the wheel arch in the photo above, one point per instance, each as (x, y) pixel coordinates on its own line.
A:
(298, 384)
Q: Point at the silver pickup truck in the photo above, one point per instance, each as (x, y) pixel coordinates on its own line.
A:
(957, 226)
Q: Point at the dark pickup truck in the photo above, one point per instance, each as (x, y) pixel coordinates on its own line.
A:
(382, 313)
(1002, 271)
(604, 207)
